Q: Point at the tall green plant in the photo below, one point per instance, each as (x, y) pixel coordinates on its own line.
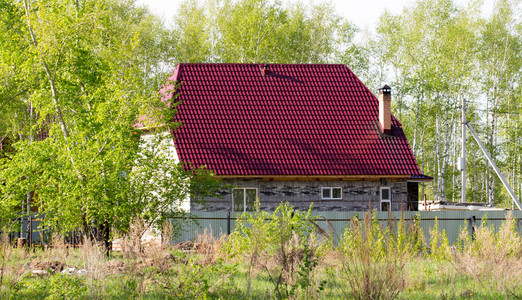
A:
(374, 257)
(281, 244)
(439, 244)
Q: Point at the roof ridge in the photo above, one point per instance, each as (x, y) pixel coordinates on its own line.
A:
(260, 63)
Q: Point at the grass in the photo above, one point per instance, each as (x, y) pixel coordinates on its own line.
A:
(286, 260)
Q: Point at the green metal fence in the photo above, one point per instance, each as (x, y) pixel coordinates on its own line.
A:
(452, 222)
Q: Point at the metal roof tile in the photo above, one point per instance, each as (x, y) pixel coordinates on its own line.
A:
(299, 119)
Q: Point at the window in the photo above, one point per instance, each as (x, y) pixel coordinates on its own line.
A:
(331, 193)
(385, 199)
(243, 199)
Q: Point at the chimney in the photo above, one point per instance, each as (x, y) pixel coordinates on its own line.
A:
(385, 109)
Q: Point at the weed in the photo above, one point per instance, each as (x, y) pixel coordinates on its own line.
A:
(66, 287)
(493, 259)
(94, 259)
(273, 243)
(372, 266)
(208, 246)
(439, 244)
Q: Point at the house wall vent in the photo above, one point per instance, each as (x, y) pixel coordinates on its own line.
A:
(264, 69)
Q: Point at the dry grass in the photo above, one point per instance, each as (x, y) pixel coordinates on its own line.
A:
(58, 249)
(131, 244)
(493, 259)
(6, 251)
(373, 262)
(208, 246)
(94, 261)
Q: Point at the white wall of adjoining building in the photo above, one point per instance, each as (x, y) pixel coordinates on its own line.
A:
(169, 150)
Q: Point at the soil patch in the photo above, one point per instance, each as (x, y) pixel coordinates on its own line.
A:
(52, 266)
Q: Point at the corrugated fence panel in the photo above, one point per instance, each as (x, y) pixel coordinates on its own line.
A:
(217, 223)
(452, 222)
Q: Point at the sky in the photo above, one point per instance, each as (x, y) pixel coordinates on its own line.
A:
(363, 13)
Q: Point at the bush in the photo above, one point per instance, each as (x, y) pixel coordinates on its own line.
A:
(282, 244)
(66, 287)
(492, 259)
(439, 244)
(373, 260)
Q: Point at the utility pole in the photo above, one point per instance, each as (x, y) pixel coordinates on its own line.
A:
(462, 162)
(494, 166)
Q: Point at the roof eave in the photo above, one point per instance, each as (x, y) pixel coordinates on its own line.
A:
(314, 177)
(422, 178)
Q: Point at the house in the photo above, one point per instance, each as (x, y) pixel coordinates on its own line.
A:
(296, 133)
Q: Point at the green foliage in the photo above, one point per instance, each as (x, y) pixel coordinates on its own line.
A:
(261, 31)
(410, 237)
(83, 73)
(197, 281)
(492, 257)
(483, 269)
(486, 241)
(262, 231)
(439, 244)
(434, 53)
(282, 244)
(305, 282)
(27, 287)
(374, 257)
(66, 287)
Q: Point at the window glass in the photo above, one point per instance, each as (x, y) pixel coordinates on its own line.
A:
(385, 194)
(251, 195)
(336, 193)
(385, 206)
(238, 199)
(331, 193)
(327, 193)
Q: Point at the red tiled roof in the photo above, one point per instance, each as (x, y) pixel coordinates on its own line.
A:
(312, 120)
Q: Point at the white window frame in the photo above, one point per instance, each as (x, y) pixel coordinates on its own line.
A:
(386, 200)
(244, 196)
(331, 188)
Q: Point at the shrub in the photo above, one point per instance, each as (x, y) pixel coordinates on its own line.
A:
(439, 244)
(492, 259)
(277, 243)
(28, 287)
(66, 287)
(197, 281)
(373, 260)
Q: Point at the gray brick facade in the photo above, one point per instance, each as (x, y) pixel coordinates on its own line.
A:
(357, 195)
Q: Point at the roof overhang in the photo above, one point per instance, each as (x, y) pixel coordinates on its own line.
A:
(315, 177)
(420, 178)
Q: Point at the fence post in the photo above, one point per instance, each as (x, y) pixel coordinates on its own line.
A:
(228, 223)
(30, 231)
(472, 224)
(42, 236)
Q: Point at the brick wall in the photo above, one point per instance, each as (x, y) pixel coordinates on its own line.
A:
(356, 195)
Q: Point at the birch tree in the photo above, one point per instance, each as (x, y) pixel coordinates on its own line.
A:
(500, 64)
(86, 70)
(261, 31)
(429, 52)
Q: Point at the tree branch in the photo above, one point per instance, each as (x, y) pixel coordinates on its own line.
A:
(13, 97)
